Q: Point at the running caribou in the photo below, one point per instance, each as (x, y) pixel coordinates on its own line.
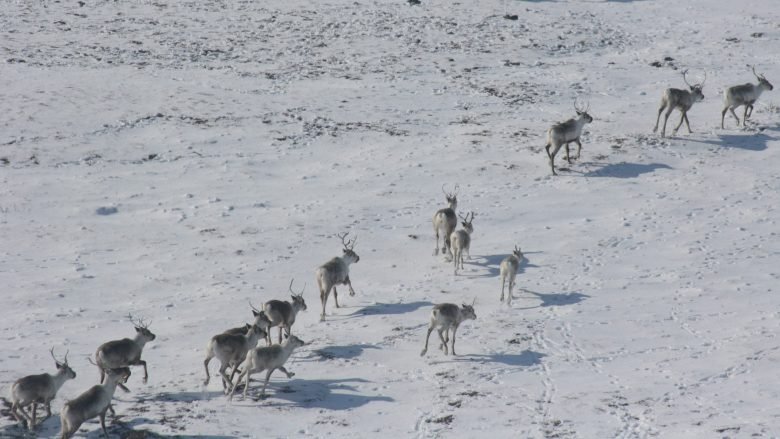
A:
(38, 389)
(282, 313)
(96, 401)
(336, 272)
(125, 352)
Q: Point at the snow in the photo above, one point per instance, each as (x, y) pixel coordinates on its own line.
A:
(175, 160)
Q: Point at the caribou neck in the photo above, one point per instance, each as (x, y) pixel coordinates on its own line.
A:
(59, 378)
(140, 340)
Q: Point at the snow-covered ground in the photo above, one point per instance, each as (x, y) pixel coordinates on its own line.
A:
(176, 159)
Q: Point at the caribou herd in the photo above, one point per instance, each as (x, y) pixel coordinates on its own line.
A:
(236, 348)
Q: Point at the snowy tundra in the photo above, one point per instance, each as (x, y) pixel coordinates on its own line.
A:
(174, 160)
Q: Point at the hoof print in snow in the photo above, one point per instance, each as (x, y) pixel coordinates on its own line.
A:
(106, 210)
(511, 16)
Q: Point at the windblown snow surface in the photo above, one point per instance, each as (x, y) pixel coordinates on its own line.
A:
(176, 159)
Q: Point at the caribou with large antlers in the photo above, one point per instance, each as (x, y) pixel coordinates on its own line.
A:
(682, 100)
(445, 221)
(566, 132)
(336, 272)
(38, 389)
(125, 352)
(745, 94)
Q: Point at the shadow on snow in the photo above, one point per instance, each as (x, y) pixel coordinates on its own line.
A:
(493, 264)
(756, 142)
(336, 394)
(526, 358)
(625, 170)
(560, 299)
(343, 352)
(391, 308)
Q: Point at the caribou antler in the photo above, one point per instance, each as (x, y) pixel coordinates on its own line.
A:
(699, 85)
(293, 292)
(684, 73)
(757, 75)
(138, 322)
(466, 219)
(453, 193)
(342, 236)
(580, 109)
(56, 361)
(253, 307)
(348, 245)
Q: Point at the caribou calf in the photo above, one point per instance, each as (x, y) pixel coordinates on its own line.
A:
(125, 352)
(682, 100)
(35, 389)
(269, 359)
(94, 402)
(231, 350)
(745, 94)
(444, 317)
(509, 267)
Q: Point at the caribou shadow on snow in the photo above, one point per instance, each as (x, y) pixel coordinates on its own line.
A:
(625, 170)
(493, 264)
(526, 358)
(551, 299)
(336, 394)
(391, 308)
(343, 352)
(756, 142)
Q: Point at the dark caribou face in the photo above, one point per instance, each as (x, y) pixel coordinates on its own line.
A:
(697, 93)
(299, 300)
(146, 333)
(351, 254)
(587, 116)
(766, 83)
(68, 371)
